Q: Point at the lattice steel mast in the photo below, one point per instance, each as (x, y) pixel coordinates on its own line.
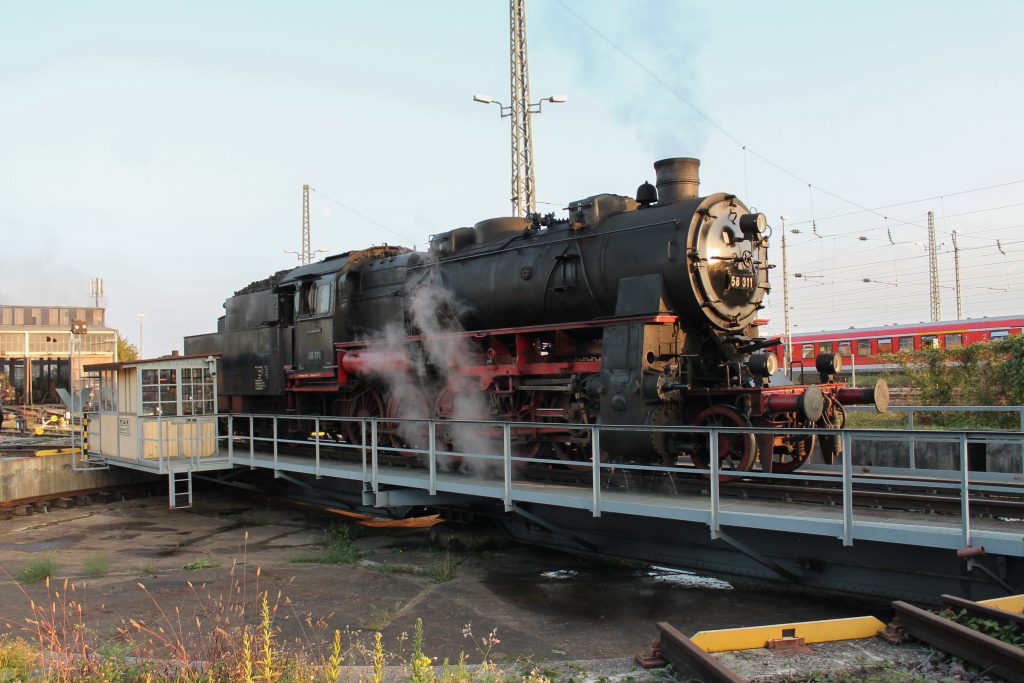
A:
(306, 255)
(933, 269)
(956, 269)
(523, 201)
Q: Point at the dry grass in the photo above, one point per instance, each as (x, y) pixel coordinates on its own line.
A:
(228, 638)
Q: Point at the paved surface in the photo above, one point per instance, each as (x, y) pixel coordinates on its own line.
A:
(544, 606)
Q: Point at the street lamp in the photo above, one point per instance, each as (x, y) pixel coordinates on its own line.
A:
(534, 108)
(520, 113)
(141, 316)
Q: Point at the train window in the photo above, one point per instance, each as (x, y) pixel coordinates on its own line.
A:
(929, 341)
(885, 345)
(906, 344)
(825, 347)
(808, 351)
(954, 341)
(314, 299)
(323, 298)
(863, 347)
(845, 349)
(998, 334)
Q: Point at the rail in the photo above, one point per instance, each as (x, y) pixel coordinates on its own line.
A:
(494, 455)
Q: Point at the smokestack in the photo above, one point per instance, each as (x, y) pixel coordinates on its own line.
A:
(678, 178)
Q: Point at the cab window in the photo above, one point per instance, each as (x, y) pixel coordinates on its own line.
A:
(998, 334)
(954, 341)
(906, 344)
(314, 299)
(929, 341)
(808, 351)
(825, 347)
(845, 349)
(863, 347)
(885, 345)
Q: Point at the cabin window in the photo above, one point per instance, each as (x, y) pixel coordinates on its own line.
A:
(314, 299)
(998, 334)
(845, 349)
(885, 345)
(954, 341)
(906, 344)
(825, 347)
(808, 351)
(196, 391)
(929, 341)
(159, 392)
(863, 347)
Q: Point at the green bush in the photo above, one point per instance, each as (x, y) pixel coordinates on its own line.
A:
(39, 569)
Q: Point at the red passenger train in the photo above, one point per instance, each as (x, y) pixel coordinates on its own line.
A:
(860, 348)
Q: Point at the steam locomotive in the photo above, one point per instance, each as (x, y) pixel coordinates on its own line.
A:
(630, 311)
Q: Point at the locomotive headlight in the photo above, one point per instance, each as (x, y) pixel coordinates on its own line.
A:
(763, 364)
(753, 224)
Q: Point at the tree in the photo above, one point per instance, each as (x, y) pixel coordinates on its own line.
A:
(126, 350)
(985, 374)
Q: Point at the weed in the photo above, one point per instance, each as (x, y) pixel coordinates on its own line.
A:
(96, 566)
(39, 569)
(17, 658)
(444, 570)
(205, 562)
(380, 619)
(145, 569)
(338, 548)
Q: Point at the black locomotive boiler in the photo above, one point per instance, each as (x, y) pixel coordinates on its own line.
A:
(630, 311)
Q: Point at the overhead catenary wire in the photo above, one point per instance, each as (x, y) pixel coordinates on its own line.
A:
(364, 216)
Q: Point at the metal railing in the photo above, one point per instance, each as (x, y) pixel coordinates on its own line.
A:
(913, 410)
(160, 442)
(495, 467)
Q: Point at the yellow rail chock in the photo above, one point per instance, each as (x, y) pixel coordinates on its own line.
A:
(54, 451)
(1010, 603)
(752, 637)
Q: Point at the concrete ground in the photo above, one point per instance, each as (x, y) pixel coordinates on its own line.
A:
(196, 576)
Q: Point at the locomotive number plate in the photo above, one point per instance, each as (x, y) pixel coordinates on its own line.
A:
(741, 280)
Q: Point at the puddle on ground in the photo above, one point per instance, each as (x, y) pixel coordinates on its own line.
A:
(653, 593)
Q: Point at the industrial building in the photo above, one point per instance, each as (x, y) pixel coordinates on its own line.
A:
(36, 350)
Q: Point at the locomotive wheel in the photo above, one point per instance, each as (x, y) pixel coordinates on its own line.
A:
(735, 451)
(412, 405)
(367, 403)
(791, 455)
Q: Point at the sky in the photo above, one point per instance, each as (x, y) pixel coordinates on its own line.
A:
(163, 146)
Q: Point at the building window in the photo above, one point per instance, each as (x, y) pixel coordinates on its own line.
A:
(863, 347)
(808, 351)
(159, 392)
(998, 334)
(845, 349)
(885, 345)
(196, 391)
(906, 344)
(49, 344)
(12, 343)
(954, 341)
